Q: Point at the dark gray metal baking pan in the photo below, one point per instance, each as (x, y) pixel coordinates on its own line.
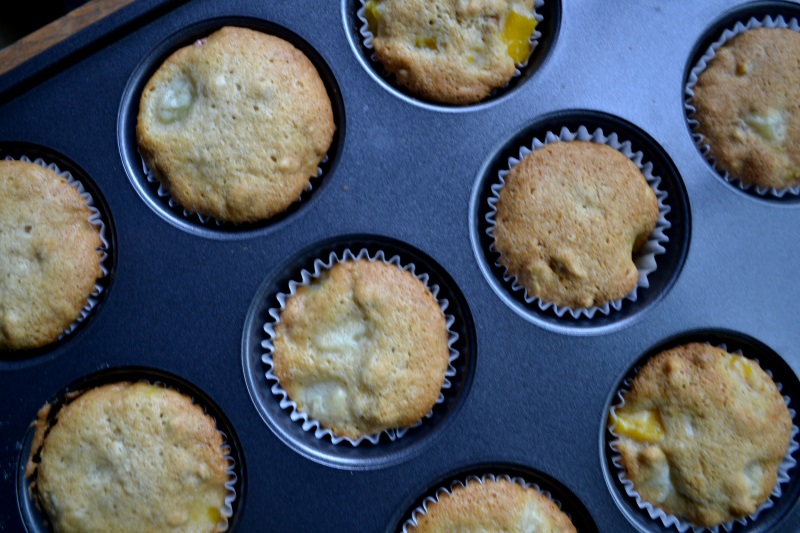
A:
(405, 172)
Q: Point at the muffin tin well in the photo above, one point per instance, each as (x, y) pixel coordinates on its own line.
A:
(547, 485)
(33, 517)
(669, 263)
(365, 455)
(150, 190)
(187, 300)
(549, 27)
(734, 342)
(738, 15)
(16, 150)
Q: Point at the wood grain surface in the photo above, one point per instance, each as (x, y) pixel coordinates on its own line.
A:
(17, 53)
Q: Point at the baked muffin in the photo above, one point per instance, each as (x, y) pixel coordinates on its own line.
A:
(362, 349)
(748, 107)
(49, 255)
(450, 51)
(570, 219)
(130, 457)
(702, 433)
(235, 125)
(493, 506)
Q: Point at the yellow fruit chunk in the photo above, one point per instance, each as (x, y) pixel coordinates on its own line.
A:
(771, 126)
(742, 365)
(427, 42)
(517, 34)
(372, 15)
(639, 425)
(214, 515)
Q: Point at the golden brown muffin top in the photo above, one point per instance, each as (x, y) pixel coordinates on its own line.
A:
(702, 433)
(492, 506)
(235, 125)
(49, 255)
(362, 349)
(748, 107)
(451, 51)
(131, 457)
(569, 221)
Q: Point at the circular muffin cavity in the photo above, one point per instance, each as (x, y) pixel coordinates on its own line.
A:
(54, 248)
(496, 497)
(229, 126)
(451, 53)
(741, 103)
(358, 351)
(701, 438)
(577, 220)
(235, 125)
(496, 503)
(360, 347)
(128, 456)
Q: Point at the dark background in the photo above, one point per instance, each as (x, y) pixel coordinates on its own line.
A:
(21, 18)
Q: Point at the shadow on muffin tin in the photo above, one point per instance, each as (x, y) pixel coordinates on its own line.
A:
(713, 33)
(34, 519)
(569, 503)
(669, 264)
(551, 22)
(133, 162)
(365, 456)
(23, 358)
(751, 348)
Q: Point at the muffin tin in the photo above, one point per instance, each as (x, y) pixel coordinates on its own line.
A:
(186, 301)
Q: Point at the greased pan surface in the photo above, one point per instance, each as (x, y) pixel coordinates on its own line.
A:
(408, 176)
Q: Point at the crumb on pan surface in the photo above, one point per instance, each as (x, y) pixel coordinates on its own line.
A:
(451, 51)
(49, 255)
(492, 506)
(747, 105)
(702, 433)
(570, 219)
(235, 125)
(362, 349)
(130, 457)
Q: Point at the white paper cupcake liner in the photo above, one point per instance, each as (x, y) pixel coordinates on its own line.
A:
(368, 36)
(306, 277)
(95, 219)
(645, 261)
(163, 192)
(423, 509)
(226, 511)
(702, 64)
(673, 521)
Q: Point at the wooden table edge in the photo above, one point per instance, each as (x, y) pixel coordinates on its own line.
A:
(37, 42)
